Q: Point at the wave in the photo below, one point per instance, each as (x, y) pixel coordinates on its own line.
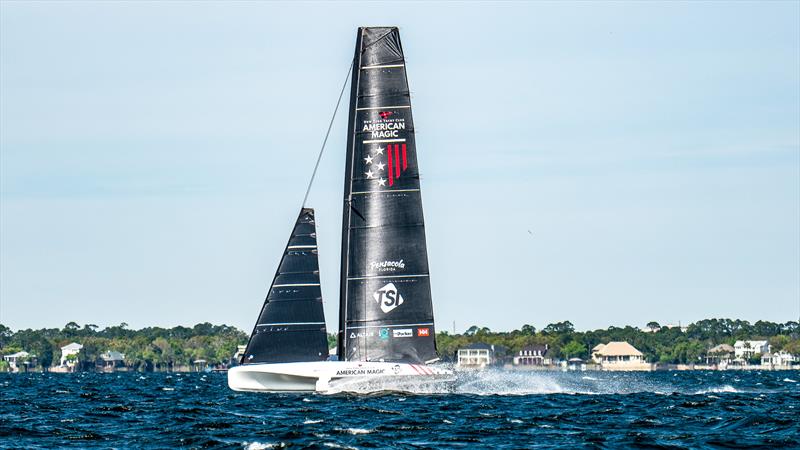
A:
(354, 430)
(257, 445)
(717, 390)
(509, 382)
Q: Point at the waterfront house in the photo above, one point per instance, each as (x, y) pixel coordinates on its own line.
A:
(476, 356)
(619, 355)
(533, 355)
(720, 354)
(747, 349)
(16, 360)
(596, 352)
(112, 359)
(781, 359)
(66, 354)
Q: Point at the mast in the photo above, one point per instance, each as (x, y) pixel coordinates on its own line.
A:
(386, 312)
(291, 325)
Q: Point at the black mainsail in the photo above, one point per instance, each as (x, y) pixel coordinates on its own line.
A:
(385, 310)
(291, 326)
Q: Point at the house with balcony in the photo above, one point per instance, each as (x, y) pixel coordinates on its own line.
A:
(69, 355)
(16, 361)
(778, 360)
(475, 356)
(619, 355)
(720, 355)
(744, 350)
(533, 355)
(111, 360)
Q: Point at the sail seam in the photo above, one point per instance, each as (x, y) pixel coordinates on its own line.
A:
(382, 107)
(385, 66)
(293, 285)
(378, 141)
(389, 276)
(290, 323)
(388, 190)
(392, 326)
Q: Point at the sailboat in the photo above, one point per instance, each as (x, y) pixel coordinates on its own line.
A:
(386, 324)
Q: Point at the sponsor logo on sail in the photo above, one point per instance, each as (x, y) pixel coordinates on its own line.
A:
(384, 333)
(384, 128)
(388, 158)
(423, 332)
(388, 298)
(403, 332)
(396, 369)
(387, 266)
(361, 334)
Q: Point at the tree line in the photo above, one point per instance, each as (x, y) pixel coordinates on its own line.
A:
(658, 344)
(151, 348)
(155, 348)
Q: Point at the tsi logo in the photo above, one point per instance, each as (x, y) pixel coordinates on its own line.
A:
(388, 297)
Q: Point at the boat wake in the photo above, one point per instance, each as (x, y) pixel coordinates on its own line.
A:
(506, 382)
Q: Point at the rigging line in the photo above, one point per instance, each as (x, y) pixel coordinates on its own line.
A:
(325, 141)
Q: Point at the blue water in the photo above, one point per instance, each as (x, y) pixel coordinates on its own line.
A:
(486, 409)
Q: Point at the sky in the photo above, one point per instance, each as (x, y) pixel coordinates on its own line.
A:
(602, 163)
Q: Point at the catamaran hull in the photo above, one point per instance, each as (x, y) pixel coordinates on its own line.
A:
(324, 376)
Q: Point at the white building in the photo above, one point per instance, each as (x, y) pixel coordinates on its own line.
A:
(67, 350)
(532, 355)
(619, 355)
(747, 349)
(781, 358)
(13, 360)
(476, 356)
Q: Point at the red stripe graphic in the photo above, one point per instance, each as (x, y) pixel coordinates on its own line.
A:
(397, 161)
(391, 174)
(405, 163)
(415, 368)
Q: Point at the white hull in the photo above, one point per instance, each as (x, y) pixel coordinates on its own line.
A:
(324, 376)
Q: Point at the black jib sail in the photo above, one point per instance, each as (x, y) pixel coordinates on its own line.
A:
(291, 326)
(385, 305)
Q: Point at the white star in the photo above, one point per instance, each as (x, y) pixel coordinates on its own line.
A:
(382, 181)
(379, 150)
(381, 166)
(369, 174)
(368, 159)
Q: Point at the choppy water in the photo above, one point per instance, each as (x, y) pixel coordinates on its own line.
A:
(484, 409)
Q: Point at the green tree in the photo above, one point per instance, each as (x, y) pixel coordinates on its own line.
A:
(574, 349)
(559, 328)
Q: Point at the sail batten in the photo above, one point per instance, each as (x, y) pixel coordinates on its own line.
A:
(291, 326)
(386, 312)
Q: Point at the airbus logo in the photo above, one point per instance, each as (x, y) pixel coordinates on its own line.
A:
(388, 297)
